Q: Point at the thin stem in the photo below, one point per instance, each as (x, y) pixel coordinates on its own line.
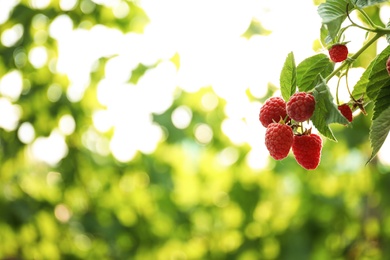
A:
(355, 56)
(370, 22)
(375, 28)
(337, 91)
(342, 30)
(359, 26)
(346, 83)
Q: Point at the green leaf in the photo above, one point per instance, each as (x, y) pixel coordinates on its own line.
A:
(324, 36)
(288, 77)
(382, 101)
(333, 14)
(361, 86)
(388, 35)
(379, 76)
(373, 78)
(310, 70)
(326, 112)
(379, 131)
(365, 3)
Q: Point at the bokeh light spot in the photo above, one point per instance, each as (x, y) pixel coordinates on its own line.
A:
(235, 129)
(11, 85)
(39, 4)
(87, 6)
(62, 213)
(67, 5)
(67, 125)
(10, 114)
(50, 149)
(228, 156)
(181, 117)
(20, 58)
(102, 120)
(54, 92)
(60, 27)
(258, 158)
(203, 133)
(121, 9)
(38, 56)
(209, 101)
(5, 9)
(12, 35)
(26, 133)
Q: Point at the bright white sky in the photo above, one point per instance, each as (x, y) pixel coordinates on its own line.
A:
(207, 36)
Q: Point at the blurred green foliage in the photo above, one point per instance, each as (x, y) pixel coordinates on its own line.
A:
(178, 202)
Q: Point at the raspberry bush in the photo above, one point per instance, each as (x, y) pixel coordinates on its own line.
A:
(312, 75)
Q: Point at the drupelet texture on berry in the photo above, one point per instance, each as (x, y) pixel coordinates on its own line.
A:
(307, 150)
(273, 110)
(388, 65)
(346, 111)
(301, 106)
(338, 52)
(278, 140)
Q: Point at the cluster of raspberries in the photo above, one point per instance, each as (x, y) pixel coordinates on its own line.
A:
(284, 119)
(280, 137)
(282, 122)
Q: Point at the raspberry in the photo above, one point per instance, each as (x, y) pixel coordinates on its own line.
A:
(388, 65)
(273, 109)
(307, 150)
(338, 52)
(346, 111)
(301, 106)
(278, 140)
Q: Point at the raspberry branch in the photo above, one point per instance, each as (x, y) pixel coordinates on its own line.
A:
(378, 33)
(349, 61)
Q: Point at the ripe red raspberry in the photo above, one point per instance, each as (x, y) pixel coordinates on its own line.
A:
(307, 150)
(278, 140)
(338, 52)
(388, 65)
(273, 109)
(346, 111)
(301, 106)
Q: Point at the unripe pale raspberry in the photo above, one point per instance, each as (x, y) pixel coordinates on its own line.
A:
(307, 150)
(301, 106)
(346, 111)
(278, 140)
(338, 52)
(273, 110)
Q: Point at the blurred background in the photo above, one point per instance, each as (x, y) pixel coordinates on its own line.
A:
(129, 130)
